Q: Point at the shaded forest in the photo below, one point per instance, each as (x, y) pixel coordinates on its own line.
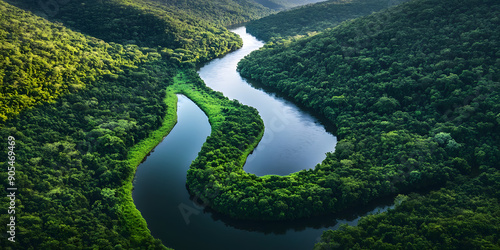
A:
(311, 19)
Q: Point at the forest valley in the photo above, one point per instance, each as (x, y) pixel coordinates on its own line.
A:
(412, 91)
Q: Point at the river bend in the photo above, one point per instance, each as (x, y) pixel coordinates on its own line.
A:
(293, 140)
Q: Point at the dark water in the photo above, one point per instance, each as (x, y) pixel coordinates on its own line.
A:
(293, 140)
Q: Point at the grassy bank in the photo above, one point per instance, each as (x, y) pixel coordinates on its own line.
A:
(132, 218)
(210, 105)
(215, 106)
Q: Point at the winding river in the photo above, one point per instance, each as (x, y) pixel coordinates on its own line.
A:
(293, 140)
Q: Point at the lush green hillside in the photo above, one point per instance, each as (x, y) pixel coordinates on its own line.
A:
(285, 4)
(464, 215)
(83, 105)
(217, 12)
(104, 107)
(71, 165)
(60, 60)
(310, 19)
(163, 28)
(414, 94)
(40, 60)
(220, 12)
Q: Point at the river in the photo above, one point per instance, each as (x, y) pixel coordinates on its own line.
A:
(293, 140)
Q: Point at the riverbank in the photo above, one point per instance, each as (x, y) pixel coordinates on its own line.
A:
(211, 107)
(210, 102)
(132, 218)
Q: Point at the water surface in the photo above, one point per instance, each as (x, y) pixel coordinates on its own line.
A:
(293, 140)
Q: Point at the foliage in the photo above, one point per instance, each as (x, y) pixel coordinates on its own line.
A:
(162, 28)
(285, 4)
(222, 13)
(40, 61)
(464, 215)
(72, 166)
(412, 91)
(310, 19)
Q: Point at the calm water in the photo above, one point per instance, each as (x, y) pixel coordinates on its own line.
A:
(293, 141)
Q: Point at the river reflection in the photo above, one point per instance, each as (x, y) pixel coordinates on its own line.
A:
(293, 140)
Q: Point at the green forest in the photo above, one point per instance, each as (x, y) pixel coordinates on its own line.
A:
(413, 92)
(88, 89)
(84, 109)
(311, 19)
(159, 28)
(42, 60)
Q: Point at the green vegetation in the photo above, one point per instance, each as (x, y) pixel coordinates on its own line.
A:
(73, 169)
(164, 30)
(59, 61)
(40, 61)
(131, 218)
(77, 148)
(161, 28)
(236, 130)
(413, 92)
(464, 215)
(310, 19)
(285, 4)
(218, 13)
(222, 13)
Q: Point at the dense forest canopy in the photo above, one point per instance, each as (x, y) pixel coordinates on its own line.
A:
(310, 19)
(220, 12)
(373, 78)
(414, 94)
(284, 4)
(83, 112)
(162, 28)
(40, 60)
(85, 104)
(464, 215)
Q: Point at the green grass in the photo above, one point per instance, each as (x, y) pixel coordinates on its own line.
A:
(132, 218)
(211, 104)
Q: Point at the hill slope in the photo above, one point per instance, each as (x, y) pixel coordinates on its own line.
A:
(94, 101)
(310, 19)
(91, 111)
(40, 60)
(146, 24)
(59, 59)
(284, 4)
